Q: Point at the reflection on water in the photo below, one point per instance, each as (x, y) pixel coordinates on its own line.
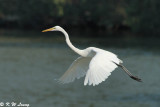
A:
(27, 75)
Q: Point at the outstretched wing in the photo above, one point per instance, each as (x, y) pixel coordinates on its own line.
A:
(100, 67)
(77, 70)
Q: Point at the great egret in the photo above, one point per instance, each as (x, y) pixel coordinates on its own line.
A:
(94, 63)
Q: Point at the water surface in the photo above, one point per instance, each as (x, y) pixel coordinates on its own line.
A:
(28, 70)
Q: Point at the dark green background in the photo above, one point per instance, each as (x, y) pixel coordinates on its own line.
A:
(138, 17)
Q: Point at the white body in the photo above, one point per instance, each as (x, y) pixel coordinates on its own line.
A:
(96, 65)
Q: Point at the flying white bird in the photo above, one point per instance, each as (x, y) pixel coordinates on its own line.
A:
(94, 63)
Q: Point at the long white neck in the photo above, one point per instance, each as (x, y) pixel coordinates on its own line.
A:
(78, 51)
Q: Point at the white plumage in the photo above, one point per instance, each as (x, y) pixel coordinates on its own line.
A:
(96, 68)
(100, 67)
(94, 63)
(77, 70)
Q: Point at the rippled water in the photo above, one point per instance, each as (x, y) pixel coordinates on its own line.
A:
(27, 75)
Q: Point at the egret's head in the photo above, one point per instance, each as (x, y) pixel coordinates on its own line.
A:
(56, 28)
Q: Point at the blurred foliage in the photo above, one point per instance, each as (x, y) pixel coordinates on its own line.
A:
(143, 16)
(135, 15)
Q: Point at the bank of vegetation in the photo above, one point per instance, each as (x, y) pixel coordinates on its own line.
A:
(136, 16)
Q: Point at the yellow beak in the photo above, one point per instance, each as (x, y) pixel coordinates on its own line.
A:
(50, 29)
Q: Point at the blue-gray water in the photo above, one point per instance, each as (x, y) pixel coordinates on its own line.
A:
(28, 72)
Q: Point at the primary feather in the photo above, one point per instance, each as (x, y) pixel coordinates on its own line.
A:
(77, 70)
(100, 66)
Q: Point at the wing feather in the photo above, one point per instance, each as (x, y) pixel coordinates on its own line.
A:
(100, 67)
(77, 70)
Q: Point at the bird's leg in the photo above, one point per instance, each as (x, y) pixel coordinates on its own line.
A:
(125, 69)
